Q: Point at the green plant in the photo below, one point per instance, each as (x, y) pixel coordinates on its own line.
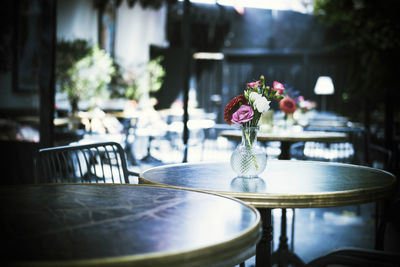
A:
(369, 32)
(145, 80)
(82, 71)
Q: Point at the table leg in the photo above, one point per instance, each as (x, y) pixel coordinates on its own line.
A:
(284, 257)
(130, 154)
(292, 232)
(285, 150)
(380, 223)
(263, 250)
(128, 146)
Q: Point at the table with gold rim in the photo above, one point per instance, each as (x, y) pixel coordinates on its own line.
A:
(284, 184)
(291, 136)
(287, 137)
(120, 225)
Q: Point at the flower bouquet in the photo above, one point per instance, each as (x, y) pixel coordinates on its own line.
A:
(305, 105)
(249, 160)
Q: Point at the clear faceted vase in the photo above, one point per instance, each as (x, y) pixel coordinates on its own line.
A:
(249, 159)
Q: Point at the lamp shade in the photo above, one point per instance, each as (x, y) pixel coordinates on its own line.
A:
(324, 86)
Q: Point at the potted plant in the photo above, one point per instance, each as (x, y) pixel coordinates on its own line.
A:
(144, 79)
(82, 72)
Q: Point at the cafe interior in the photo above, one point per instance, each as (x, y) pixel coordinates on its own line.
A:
(176, 87)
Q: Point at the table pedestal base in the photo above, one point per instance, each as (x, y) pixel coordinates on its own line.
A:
(149, 158)
(283, 256)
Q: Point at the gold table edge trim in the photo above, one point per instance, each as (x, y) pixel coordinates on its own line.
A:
(309, 200)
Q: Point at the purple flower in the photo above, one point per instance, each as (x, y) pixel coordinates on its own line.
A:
(244, 114)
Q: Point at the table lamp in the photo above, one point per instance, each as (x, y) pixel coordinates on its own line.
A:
(323, 87)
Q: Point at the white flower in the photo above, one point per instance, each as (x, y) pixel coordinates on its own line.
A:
(261, 104)
(253, 96)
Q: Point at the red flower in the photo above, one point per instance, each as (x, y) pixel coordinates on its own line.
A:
(287, 105)
(232, 107)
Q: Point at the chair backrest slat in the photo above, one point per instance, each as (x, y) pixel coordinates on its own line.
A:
(118, 163)
(76, 171)
(98, 154)
(63, 167)
(72, 167)
(103, 162)
(91, 160)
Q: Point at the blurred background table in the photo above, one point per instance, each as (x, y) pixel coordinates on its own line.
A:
(289, 137)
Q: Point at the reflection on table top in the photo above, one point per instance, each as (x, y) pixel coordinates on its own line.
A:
(112, 225)
(315, 136)
(284, 183)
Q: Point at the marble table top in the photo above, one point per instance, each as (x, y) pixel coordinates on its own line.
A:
(115, 225)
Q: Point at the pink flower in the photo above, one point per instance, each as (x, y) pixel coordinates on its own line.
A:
(278, 87)
(244, 114)
(253, 84)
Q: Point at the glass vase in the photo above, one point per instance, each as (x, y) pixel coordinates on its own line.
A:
(248, 160)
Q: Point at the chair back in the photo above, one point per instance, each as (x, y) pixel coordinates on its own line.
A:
(103, 162)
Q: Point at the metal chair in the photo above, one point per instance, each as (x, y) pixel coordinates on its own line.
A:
(103, 162)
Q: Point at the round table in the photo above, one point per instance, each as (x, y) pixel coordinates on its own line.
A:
(120, 225)
(284, 184)
(288, 137)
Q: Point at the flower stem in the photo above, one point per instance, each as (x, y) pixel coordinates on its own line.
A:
(249, 146)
